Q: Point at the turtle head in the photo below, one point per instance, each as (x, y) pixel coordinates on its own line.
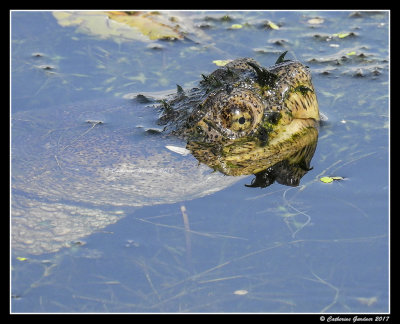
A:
(244, 118)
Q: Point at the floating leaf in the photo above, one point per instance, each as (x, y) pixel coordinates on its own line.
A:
(351, 53)
(272, 25)
(21, 259)
(330, 179)
(315, 21)
(121, 26)
(221, 62)
(236, 26)
(149, 24)
(342, 35)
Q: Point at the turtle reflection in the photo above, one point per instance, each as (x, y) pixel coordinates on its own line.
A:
(285, 163)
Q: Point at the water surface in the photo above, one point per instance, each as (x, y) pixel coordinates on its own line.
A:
(313, 248)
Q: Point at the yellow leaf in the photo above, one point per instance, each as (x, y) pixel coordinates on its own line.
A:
(120, 26)
(272, 25)
(341, 35)
(221, 62)
(351, 53)
(148, 25)
(21, 259)
(236, 26)
(330, 179)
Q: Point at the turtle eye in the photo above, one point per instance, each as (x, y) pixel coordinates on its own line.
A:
(235, 114)
(237, 119)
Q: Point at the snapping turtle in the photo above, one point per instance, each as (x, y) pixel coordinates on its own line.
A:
(75, 169)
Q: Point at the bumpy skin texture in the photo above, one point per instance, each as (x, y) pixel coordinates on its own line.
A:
(244, 118)
(243, 99)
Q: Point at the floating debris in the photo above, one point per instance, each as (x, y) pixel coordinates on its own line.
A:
(95, 122)
(271, 25)
(236, 26)
(218, 18)
(22, 259)
(343, 35)
(76, 243)
(131, 243)
(176, 149)
(280, 42)
(155, 46)
(367, 301)
(46, 67)
(330, 179)
(329, 37)
(221, 62)
(121, 25)
(356, 14)
(315, 21)
(37, 54)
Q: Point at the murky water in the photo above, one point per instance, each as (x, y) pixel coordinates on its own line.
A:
(318, 247)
